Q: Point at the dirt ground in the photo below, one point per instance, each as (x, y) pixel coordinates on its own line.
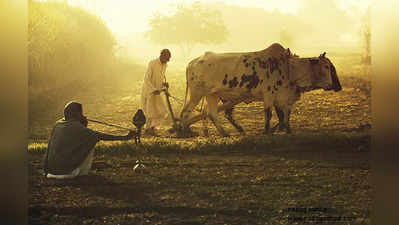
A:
(319, 173)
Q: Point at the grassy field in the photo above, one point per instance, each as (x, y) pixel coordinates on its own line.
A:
(324, 166)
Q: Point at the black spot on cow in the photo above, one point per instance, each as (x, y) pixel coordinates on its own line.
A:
(233, 82)
(253, 83)
(225, 79)
(275, 88)
(272, 92)
(261, 81)
(261, 63)
(279, 70)
(245, 60)
(279, 83)
(251, 80)
(273, 64)
(246, 64)
(201, 61)
(268, 88)
(283, 77)
(243, 78)
(209, 64)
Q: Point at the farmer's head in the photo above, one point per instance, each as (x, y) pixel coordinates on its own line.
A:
(165, 55)
(73, 110)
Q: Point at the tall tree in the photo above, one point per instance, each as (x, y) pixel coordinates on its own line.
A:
(187, 26)
(366, 59)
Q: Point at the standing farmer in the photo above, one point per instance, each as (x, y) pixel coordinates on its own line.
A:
(151, 101)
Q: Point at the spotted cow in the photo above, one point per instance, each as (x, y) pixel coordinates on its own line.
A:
(272, 76)
(285, 102)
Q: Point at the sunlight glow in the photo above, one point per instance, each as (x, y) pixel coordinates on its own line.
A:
(125, 17)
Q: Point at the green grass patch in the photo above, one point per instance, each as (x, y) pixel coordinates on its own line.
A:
(248, 144)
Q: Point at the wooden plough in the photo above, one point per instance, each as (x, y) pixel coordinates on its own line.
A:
(178, 127)
(172, 115)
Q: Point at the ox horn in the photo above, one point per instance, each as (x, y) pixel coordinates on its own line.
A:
(323, 55)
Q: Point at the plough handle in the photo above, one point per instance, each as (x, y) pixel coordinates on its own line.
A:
(169, 106)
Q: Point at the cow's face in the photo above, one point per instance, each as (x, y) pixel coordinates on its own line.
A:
(324, 74)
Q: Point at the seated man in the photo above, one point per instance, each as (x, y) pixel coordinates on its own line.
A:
(71, 145)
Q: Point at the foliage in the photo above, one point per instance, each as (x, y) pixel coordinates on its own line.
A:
(71, 51)
(65, 44)
(188, 26)
(366, 33)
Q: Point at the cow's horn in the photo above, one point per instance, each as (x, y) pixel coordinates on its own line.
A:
(323, 55)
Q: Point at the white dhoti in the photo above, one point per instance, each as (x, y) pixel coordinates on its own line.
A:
(154, 105)
(155, 110)
(83, 169)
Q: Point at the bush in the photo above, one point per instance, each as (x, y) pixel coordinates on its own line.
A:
(69, 48)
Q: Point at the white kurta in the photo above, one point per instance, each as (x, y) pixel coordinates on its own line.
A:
(153, 105)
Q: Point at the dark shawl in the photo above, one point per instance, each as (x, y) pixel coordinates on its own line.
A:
(69, 145)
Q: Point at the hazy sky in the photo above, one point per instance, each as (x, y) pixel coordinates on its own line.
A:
(127, 16)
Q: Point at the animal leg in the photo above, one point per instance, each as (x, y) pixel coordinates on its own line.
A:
(228, 113)
(205, 121)
(280, 115)
(268, 117)
(283, 114)
(268, 113)
(287, 112)
(188, 109)
(213, 113)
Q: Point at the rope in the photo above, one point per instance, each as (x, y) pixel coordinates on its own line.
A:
(108, 124)
(178, 100)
